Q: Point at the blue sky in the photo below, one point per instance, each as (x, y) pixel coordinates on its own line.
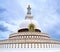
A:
(46, 12)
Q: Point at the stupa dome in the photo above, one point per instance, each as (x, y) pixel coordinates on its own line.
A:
(24, 26)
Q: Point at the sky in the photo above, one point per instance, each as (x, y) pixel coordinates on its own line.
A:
(46, 12)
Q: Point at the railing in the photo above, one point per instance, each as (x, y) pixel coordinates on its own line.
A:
(29, 45)
(28, 33)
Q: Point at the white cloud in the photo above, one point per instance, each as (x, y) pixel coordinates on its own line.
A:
(10, 27)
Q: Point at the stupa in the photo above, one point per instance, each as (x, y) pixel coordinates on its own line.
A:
(29, 36)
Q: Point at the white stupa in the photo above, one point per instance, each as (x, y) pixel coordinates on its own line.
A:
(29, 35)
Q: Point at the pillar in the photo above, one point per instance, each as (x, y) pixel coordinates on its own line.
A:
(18, 45)
(7, 45)
(4, 46)
(43, 45)
(1, 45)
(49, 45)
(46, 45)
(12, 45)
(21, 45)
(40, 45)
(24, 45)
(37, 45)
(15, 45)
(34, 46)
(28, 45)
(31, 45)
(53, 45)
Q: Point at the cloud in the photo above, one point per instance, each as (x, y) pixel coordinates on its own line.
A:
(4, 35)
(6, 29)
(58, 7)
(2, 10)
(2, 28)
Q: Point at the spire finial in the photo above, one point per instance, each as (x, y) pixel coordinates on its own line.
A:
(28, 16)
(29, 10)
